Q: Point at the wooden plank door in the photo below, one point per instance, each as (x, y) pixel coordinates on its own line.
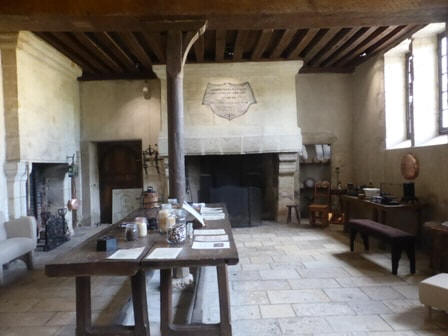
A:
(119, 167)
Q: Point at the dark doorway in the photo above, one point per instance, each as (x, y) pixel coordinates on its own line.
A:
(119, 167)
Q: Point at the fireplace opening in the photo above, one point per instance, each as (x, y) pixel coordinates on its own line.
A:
(49, 190)
(247, 184)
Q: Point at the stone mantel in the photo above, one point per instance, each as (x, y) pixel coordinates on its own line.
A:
(269, 126)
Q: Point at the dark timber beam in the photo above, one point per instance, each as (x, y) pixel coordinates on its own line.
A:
(177, 48)
(106, 15)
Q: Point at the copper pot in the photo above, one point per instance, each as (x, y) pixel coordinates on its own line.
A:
(73, 204)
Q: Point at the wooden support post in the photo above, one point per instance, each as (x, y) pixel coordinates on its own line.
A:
(175, 105)
(83, 306)
(139, 302)
(177, 49)
(166, 309)
(224, 301)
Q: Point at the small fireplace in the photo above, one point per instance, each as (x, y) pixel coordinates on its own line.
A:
(245, 183)
(49, 190)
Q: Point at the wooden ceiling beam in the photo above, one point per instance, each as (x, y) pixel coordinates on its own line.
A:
(79, 49)
(241, 38)
(130, 40)
(321, 44)
(285, 40)
(262, 43)
(387, 43)
(378, 35)
(336, 42)
(348, 46)
(62, 48)
(154, 41)
(220, 45)
(96, 49)
(106, 15)
(122, 56)
(308, 36)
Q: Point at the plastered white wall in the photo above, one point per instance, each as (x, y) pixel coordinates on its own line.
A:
(269, 126)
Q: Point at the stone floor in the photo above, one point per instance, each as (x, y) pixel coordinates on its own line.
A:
(290, 281)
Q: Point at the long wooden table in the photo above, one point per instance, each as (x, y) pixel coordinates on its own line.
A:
(84, 261)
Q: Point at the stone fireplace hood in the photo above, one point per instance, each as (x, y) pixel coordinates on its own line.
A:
(269, 125)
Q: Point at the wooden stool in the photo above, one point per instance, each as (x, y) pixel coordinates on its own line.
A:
(296, 208)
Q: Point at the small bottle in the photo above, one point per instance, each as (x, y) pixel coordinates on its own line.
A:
(162, 217)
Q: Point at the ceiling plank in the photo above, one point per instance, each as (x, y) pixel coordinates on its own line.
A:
(78, 48)
(379, 34)
(240, 42)
(220, 45)
(303, 43)
(262, 43)
(154, 41)
(348, 46)
(109, 42)
(285, 40)
(387, 43)
(53, 41)
(336, 42)
(96, 49)
(136, 48)
(318, 45)
(199, 49)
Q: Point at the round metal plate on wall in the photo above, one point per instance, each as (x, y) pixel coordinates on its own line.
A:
(409, 167)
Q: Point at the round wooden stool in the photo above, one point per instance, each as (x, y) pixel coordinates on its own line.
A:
(297, 210)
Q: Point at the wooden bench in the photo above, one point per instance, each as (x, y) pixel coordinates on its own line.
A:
(399, 240)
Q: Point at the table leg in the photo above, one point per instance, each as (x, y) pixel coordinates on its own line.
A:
(83, 306)
(224, 300)
(140, 303)
(166, 311)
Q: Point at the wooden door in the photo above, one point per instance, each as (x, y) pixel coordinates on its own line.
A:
(120, 167)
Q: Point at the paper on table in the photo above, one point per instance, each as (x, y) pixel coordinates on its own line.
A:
(132, 253)
(214, 217)
(205, 210)
(219, 238)
(164, 253)
(210, 246)
(209, 232)
(196, 214)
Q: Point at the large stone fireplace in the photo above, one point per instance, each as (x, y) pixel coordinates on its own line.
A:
(240, 109)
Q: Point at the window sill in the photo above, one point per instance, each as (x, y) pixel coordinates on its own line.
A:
(438, 140)
(403, 144)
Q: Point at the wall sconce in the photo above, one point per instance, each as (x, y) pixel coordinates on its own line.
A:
(146, 91)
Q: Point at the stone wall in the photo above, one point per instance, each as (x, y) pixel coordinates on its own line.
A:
(325, 117)
(3, 187)
(372, 162)
(41, 111)
(112, 111)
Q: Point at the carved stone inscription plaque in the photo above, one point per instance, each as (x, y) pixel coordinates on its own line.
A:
(229, 100)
